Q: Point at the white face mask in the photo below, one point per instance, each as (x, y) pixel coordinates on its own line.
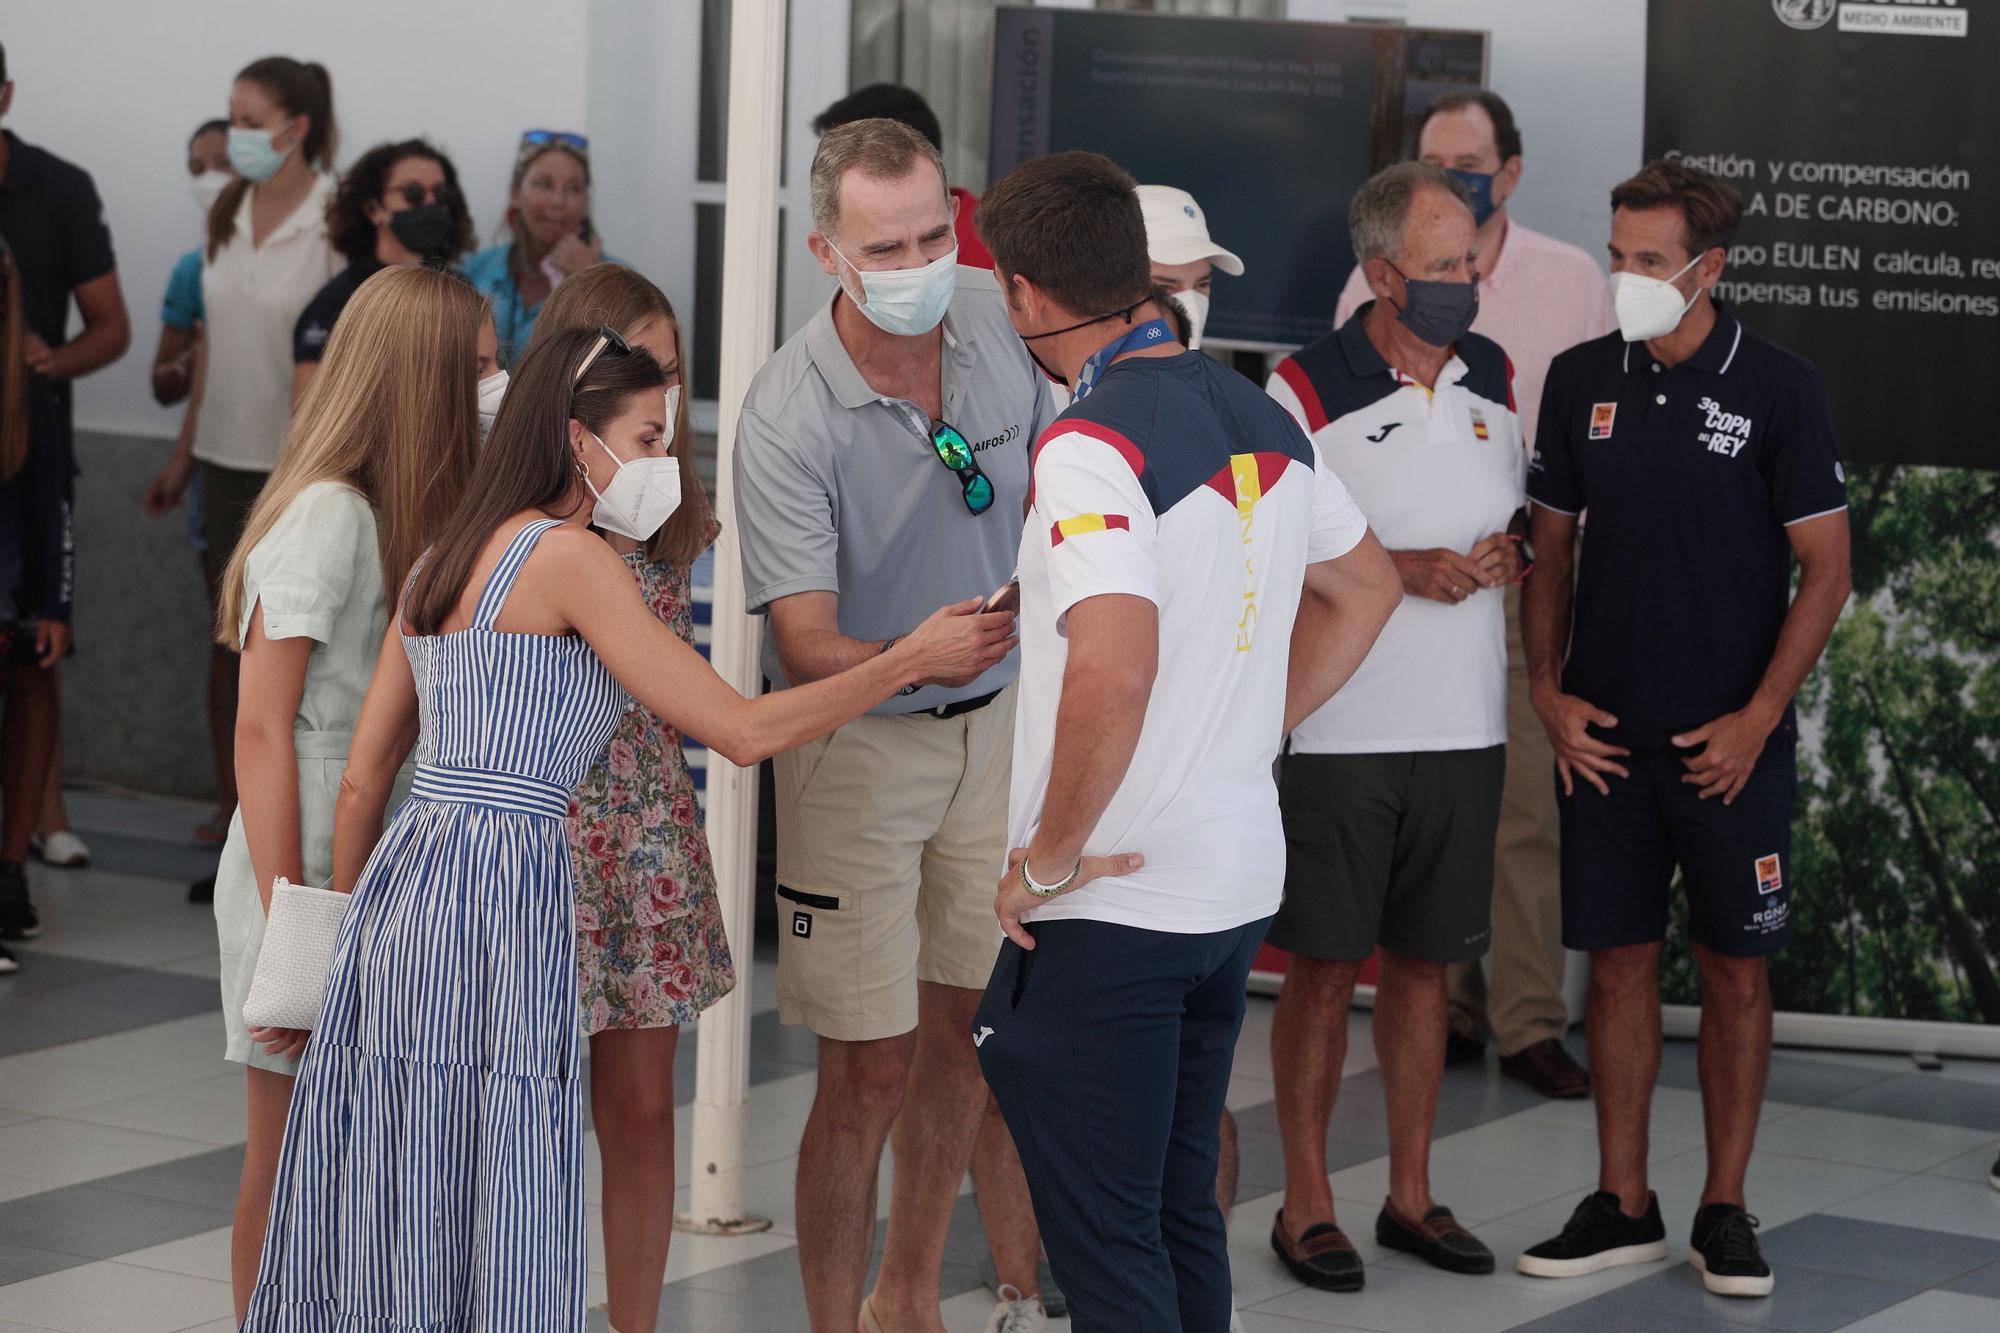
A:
(641, 497)
(906, 301)
(1195, 305)
(208, 187)
(491, 390)
(1649, 307)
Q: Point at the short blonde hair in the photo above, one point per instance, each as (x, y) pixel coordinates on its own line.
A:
(880, 148)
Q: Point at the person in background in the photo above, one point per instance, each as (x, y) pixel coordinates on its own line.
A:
(432, 1171)
(1537, 297)
(181, 320)
(265, 255)
(373, 465)
(399, 204)
(651, 950)
(896, 102)
(549, 236)
(1666, 687)
(209, 174)
(1391, 792)
(1184, 258)
(32, 512)
(1147, 852)
(53, 225)
(881, 467)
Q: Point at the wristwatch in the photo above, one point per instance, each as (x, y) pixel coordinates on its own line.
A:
(1046, 891)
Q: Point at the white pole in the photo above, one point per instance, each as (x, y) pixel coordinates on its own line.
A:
(749, 306)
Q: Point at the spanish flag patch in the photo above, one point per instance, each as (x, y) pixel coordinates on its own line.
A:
(1082, 523)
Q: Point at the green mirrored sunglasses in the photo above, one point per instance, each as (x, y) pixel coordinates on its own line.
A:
(955, 452)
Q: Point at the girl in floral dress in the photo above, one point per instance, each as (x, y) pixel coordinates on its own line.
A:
(651, 953)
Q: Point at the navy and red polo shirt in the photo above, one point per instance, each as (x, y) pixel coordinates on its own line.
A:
(1691, 474)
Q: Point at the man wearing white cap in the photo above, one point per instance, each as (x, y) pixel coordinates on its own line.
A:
(1184, 258)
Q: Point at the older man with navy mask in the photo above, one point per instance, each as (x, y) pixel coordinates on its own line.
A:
(1537, 297)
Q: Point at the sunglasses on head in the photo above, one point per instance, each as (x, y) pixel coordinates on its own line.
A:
(955, 453)
(558, 138)
(608, 340)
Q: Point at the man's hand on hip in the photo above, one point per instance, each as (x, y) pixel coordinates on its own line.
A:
(1014, 898)
(1568, 720)
(1729, 749)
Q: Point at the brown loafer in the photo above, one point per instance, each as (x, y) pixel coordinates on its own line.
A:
(1549, 1069)
(1440, 1240)
(1324, 1257)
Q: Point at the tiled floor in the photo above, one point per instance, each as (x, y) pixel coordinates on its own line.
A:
(121, 1126)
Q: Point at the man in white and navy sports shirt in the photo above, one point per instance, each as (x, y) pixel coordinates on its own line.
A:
(1706, 459)
(1192, 580)
(1391, 791)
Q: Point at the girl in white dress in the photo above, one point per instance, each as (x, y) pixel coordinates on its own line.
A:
(373, 464)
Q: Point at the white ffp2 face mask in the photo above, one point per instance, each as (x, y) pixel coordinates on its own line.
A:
(491, 390)
(208, 188)
(907, 301)
(641, 497)
(1194, 304)
(1649, 307)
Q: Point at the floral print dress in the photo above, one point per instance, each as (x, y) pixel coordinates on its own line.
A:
(650, 947)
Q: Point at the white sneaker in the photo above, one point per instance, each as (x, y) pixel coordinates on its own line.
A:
(1017, 1313)
(63, 849)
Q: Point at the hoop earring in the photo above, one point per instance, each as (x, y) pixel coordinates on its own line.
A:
(582, 472)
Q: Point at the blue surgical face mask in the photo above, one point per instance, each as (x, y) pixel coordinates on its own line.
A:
(250, 152)
(1479, 184)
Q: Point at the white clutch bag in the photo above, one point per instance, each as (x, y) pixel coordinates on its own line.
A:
(299, 935)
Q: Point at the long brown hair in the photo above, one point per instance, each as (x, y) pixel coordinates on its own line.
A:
(13, 372)
(393, 413)
(527, 462)
(301, 88)
(613, 295)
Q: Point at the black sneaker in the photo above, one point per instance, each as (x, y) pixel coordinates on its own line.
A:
(202, 890)
(7, 963)
(18, 918)
(1723, 1249)
(1598, 1236)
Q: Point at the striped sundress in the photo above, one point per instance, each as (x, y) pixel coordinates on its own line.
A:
(431, 1179)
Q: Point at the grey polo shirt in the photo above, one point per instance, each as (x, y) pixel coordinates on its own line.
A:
(839, 490)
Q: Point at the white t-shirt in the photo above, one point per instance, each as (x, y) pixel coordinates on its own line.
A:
(1438, 467)
(1175, 480)
(253, 296)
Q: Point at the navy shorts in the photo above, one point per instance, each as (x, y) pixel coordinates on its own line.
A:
(1619, 854)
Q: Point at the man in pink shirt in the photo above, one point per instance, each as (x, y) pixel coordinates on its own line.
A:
(1537, 296)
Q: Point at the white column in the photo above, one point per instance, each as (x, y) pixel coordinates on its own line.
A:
(749, 301)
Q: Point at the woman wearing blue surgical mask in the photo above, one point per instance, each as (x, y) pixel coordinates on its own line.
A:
(651, 952)
(266, 253)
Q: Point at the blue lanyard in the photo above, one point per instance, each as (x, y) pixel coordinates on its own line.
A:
(1146, 335)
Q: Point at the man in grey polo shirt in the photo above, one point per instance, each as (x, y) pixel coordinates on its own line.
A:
(882, 471)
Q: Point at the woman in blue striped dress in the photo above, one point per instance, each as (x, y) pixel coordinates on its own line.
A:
(431, 1179)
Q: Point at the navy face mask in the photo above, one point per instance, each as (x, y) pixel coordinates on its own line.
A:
(1479, 185)
(1438, 313)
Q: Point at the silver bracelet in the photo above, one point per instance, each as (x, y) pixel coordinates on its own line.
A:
(1046, 891)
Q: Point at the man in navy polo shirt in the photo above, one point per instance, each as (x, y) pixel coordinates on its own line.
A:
(1705, 457)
